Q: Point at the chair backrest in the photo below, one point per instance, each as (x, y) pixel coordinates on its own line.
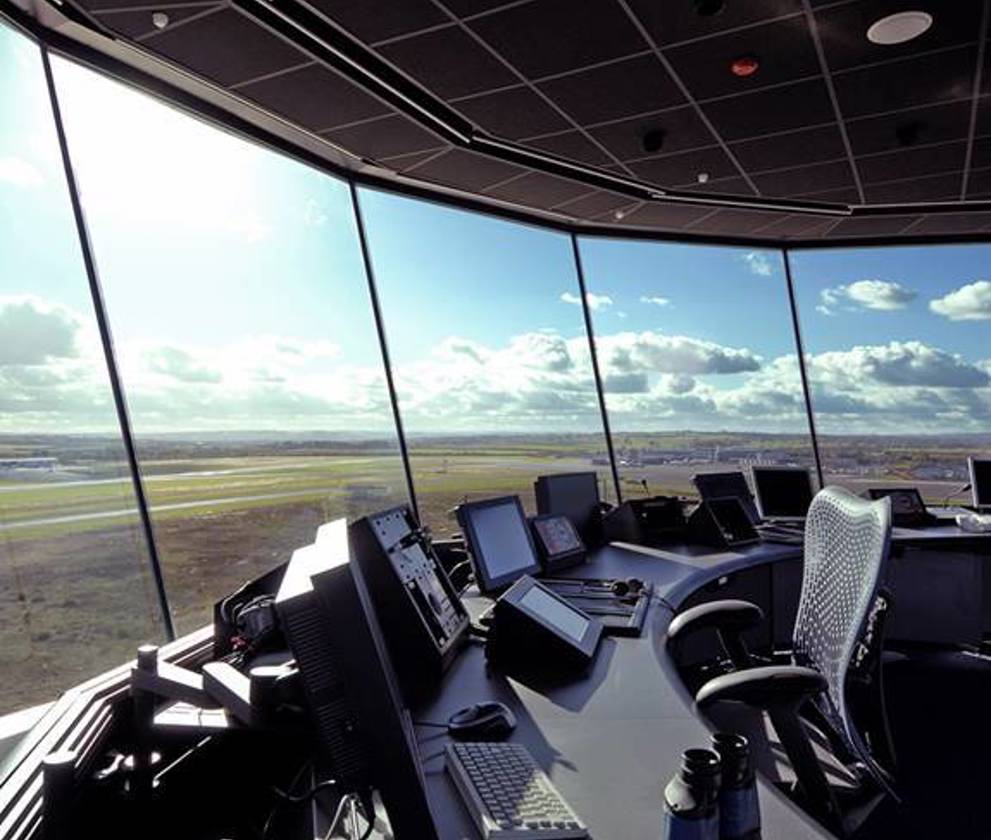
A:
(847, 540)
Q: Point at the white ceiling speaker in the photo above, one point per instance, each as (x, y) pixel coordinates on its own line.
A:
(899, 28)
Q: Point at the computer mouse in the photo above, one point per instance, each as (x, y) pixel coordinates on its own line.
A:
(486, 721)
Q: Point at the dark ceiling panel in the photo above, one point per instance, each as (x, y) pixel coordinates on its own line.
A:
(449, 62)
(134, 24)
(929, 160)
(794, 148)
(669, 22)
(410, 160)
(845, 195)
(553, 36)
(538, 190)
(722, 186)
(924, 80)
(843, 29)
(225, 47)
(871, 226)
(979, 184)
(806, 179)
(666, 216)
(512, 114)
(466, 170)
(594, 204)
(374, 20)
(770, 111)
(933, 124)
(932, 188)
(795, 226)
(633, 86)
(981, 154)
(684, 167)
(784, 49)
(952, 223)
(734, 222)
(572, 145)
(395, 135)
(464, 8)
(682, 127)
(315, 97)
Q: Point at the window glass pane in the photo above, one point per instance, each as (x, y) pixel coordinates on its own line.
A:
(75, 590)
(244, 333)
(899, 359)
(698, 359)
(489, 351)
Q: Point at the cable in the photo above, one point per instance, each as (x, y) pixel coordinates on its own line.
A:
(295, 800)
(337, 815)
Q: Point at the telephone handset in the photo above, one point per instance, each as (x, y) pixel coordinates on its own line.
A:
(422, 617)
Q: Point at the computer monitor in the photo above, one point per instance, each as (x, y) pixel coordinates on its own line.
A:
(576, 495)
(719, 485)
(499, 541)
(365, 736)
(980, 482)
(782, 492)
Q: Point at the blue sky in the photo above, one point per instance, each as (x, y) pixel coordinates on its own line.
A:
(238, 300)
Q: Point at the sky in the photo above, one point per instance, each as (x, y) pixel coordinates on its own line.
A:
(238, 300)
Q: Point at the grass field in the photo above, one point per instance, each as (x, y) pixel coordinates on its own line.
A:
(76, 594)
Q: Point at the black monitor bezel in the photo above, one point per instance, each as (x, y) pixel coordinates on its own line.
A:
(766, 468)
(884, 492)
(974, 494)
(560, 560)
(542, 490)
(748, 501)
(513, 598)
(485, 582)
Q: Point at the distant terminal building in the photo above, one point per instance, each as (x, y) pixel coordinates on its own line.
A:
(11, 464)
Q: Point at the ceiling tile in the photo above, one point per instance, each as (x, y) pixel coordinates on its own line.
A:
(952, 223)
(464, 8)
(932, 188)
(449, 63)
(932, 124)
(798, 225)
(784, 49)
(844, 195)
(632, 86)
(684, 167)
(981, 154)
(402, 163)
(595, 204)
(134, 24)
(948, 157)
(553, 36)
(315, 97)
(734, 222)
(395, 135)
(667, 216)
(572, 145)
(538, 190)
(843, 29)
(805, 179)
(512, 114)
(770, 111)
(466, 170)
(682, 127)
(811, 145)
(871, 226)
(979, 183)
(924, 80)
(721, 186)
(225, 47)
(669, 22)
(373, 20)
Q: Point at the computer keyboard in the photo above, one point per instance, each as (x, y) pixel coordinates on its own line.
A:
(508, 796)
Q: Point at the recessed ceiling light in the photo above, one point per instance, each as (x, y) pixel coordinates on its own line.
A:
(619, 215)
(899, 27)
(653, 140)
(160, 19)
(745, 65)
(702, 177)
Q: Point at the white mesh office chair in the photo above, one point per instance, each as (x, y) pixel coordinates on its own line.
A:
(836, 644)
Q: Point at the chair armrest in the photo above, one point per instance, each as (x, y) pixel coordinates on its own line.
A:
(773, 685)
(729, 619)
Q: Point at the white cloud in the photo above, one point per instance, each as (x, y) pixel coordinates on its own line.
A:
(660, 353)
(20, 173)
(896, 364)
(759, 263)
(35, 331)
(879, 295)
(968, 303)
(594, 301)
(656, 300)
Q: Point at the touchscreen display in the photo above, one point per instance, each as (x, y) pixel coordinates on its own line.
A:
(558, 535)
(503, 541)
(556, 613)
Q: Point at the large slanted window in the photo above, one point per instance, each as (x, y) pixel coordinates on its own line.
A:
(698, 360)
(898, 342)
(488, 348)
(76, 594)
(243, 330)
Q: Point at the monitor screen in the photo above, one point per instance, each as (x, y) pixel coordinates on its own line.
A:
(576, 495)
(905, 501)
(782, 491)
(719, 485)
(558, 534)
(980, 481)
(555, 612)
(498, 537)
